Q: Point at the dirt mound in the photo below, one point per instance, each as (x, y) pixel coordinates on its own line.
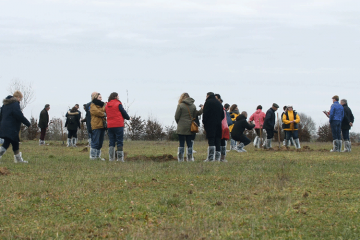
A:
(163, 158)
(84, 150)
(292, 149)
(4, 171)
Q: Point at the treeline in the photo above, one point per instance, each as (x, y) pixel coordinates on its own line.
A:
(139, 129)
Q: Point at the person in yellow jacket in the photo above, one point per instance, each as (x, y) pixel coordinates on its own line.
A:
(290, 120)
(234, 113)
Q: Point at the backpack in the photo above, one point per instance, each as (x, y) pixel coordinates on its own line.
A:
(71, 120)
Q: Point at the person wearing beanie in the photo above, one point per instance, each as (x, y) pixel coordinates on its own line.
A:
(335, 118)
(258, 118)
(269, 124)
(346, 125)
(11, 118)
(43, 123)
(290, 121)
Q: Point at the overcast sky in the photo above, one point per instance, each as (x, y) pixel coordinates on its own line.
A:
(251, 52)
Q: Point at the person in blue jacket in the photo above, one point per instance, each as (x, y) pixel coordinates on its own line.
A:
(11, 118)
(336, 117)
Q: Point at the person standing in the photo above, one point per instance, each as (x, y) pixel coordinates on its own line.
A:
(72, 124)
(185, 113)
(197, 121)
(237, 132)
(43, 123)
(269, 124)
(346, 125)
(291, 120)
(88, 119)
(98, 125)
(116, 114)
(221, 155)
(258, 118)
(336, 117)
(213, 114)
(11, 118)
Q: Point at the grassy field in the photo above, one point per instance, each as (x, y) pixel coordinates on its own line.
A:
(61, 194)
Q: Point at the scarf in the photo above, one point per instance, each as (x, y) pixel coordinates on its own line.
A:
(98, 102)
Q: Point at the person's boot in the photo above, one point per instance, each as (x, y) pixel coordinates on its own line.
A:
(98, 155)
(68, 142)
(232, 144)
(268, 144)
(180, 154)
(256, 141)
(189, 155)
(192, 144)
(240, 148)
(120, 156)
(217, 156)
(93, 153)
(349, 146)
(111, 154)
(286, 143)
(223, 154)
(339, 145)
(346, 146)
(89, 142)
(334, 149)
(74, 141)
(297, 143)
(210, 154)
(18, 158)
(2, 151)
(1, 140)
(292, 142)
(264, 143)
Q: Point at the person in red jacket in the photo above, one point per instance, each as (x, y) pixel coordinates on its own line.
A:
(115, 114)
(258, 118)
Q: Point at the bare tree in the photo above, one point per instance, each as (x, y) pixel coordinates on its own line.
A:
(153, 130)
(324, 133)
(27, 91)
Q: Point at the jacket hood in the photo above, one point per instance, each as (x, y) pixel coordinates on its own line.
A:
(240, 117)
(188, 101)
(72, 113)
(9, 99)
(113, 103)
(258, 111)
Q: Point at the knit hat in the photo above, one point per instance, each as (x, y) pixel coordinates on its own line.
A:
(275, 105)
(336, 97)
(95, 96)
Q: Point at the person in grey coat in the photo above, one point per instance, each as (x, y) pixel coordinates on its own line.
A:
(185, 113)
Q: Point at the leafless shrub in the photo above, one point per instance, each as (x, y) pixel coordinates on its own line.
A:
(324, 133)
(153, 130)
(136, 128)
(27, 91)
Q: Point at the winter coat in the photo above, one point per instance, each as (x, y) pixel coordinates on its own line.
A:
(233, 116)
(43, 119)
(213, 114)
(228, 119)
(182, 117)
(88, 117)
(336, 112)
(258, 117)
(98, 116)
(239, 127)
(348, 118)
(269, 121)
(11, 118)
(72, 120)
(289, 116)
(115, 114)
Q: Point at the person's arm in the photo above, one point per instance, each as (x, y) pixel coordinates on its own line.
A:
(331, 115)
(351, 117)
(123, 112)
(297, 120)
(177, 113)
(251, 117)
(20, 116)
(249, 126)
(198, 113)
(284, 120)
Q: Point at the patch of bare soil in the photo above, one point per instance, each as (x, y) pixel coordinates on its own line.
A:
(4, 171)
(292, 149)
(163, 158)
(84, 150)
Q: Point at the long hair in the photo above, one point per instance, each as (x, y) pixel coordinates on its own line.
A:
(183, 96)
(112, 96)
(232, 108)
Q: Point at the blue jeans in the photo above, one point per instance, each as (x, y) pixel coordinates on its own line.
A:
(97, 138)
(116, 135)
(294, 134)
(183, 138)
(336, 129)
(346, 134)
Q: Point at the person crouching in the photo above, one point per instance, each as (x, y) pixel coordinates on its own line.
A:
(237, 132)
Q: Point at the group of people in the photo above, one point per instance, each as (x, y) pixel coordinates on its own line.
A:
(221, 123)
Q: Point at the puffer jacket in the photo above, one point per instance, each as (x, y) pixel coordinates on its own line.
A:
(72, 120)
(336, 112)
(289, 116)
(115, 114)
(233, 116)
(258, 117)
(98, 116)
(348, 118)
(182, 117)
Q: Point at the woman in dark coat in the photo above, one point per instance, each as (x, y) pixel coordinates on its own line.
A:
(237, 132)
(72, 124)
(11, 118)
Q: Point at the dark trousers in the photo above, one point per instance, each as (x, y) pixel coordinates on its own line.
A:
(336, 129)
(257, 130)
(193, 136)
(116, 135)
(269, 133)
(243, 139)
(215, 142)
(346, 134)
(97, 138)
(42, 134)
(183, 138)
(14, 144)
(72, 133)
(289, 134)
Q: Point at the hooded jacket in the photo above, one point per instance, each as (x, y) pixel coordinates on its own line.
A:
(182, 117)
(98, 116)
(11, 118)
(213, 115)
(348, 118)
(115, 114)
(239, 127)
(258, 117)
(72, 120)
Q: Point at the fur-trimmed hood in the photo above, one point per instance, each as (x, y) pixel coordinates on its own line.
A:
(72, 113)
(10, 99)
